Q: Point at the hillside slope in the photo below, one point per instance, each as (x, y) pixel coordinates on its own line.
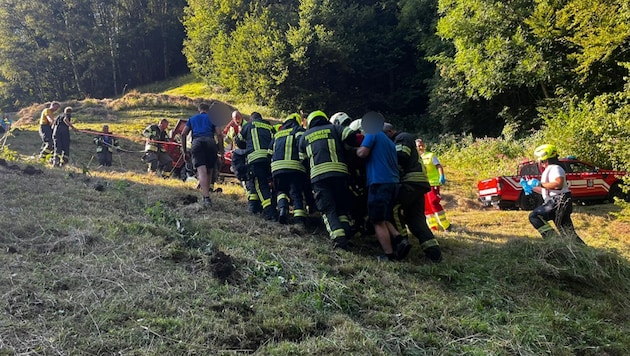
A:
(116, 261)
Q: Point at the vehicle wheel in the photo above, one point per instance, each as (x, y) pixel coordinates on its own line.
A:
(616, 191)
(529, 202)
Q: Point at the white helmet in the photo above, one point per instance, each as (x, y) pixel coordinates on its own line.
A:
(340, 118)
(355, 125)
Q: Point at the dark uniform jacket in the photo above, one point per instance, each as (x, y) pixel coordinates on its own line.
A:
(409, 162)
(105, 143)
(153, 133)
(255, 138)
(286, 156)
(322, 145)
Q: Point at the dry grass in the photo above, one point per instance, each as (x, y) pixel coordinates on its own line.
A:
(119, 262)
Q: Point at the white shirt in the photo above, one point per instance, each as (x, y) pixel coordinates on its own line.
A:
(550, 174)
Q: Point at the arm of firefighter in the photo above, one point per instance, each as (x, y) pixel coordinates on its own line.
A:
(185, 132)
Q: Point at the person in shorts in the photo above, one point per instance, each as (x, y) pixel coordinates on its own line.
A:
(204, 149)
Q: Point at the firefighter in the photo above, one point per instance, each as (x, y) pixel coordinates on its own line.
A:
(409, 206)
(255, 138)
(433, 210)
(156, 157)
(289, 174)
(46, 122)
(105, 146)
(323, 145)
(61, 137)
(558, 204)
(206, 148)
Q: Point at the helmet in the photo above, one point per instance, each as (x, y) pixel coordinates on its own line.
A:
(545, 152)
(313, 115)
(355, 125)
(295, 117)
(340, 118)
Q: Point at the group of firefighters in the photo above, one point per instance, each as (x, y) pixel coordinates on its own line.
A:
(357, 180)
(314, 163)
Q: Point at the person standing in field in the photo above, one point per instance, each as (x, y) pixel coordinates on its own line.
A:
(105, 145)
(46, 122)
(256, 137)
(433, 210)
(414, 184)
(206, 140)
(61, 137)
(383, 177)
(155, 155)
(322, 146)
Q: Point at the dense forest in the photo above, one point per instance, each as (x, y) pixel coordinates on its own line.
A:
(434, 65)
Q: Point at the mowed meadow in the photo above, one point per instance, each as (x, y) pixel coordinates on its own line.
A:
(114, 261)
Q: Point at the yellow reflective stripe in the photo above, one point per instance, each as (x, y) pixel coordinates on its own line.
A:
(255, 140)
(309, 155)
(328, 167)
(332, 147)
(337, 233)
(288, 145)
(346, 132)
(419, 177)
(257, 155)
(299, 213)
(429, 243)
(404, 149)
(287, 164)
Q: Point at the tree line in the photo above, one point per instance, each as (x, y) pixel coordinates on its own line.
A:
(434, 65)
(61, 49)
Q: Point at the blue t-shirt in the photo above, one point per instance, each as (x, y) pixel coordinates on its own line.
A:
(201, 125)
(382, 163)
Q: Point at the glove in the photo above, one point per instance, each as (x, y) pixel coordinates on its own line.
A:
(528, 185)
(442, 179)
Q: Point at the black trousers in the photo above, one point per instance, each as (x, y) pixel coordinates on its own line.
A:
(557, 208)
(45, 133)
(258, 182)
(290, 185)
(61, 140)
(409, 213)
(333, 201)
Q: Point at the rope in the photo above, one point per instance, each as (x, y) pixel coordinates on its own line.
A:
(100, 133)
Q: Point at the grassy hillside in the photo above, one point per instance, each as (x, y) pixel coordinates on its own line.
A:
(118, 262)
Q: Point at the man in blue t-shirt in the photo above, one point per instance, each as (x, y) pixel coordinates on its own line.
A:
(382, 181)
(204, 150)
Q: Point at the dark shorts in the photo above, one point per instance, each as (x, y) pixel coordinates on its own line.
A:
(381, 199)
(204, 152)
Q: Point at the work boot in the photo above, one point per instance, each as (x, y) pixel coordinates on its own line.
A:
(401, 247)
(206, 202)
(270, 213)
(299, 220)
(433, 253)
(283, 218)
(254, 206)
(341, 242)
